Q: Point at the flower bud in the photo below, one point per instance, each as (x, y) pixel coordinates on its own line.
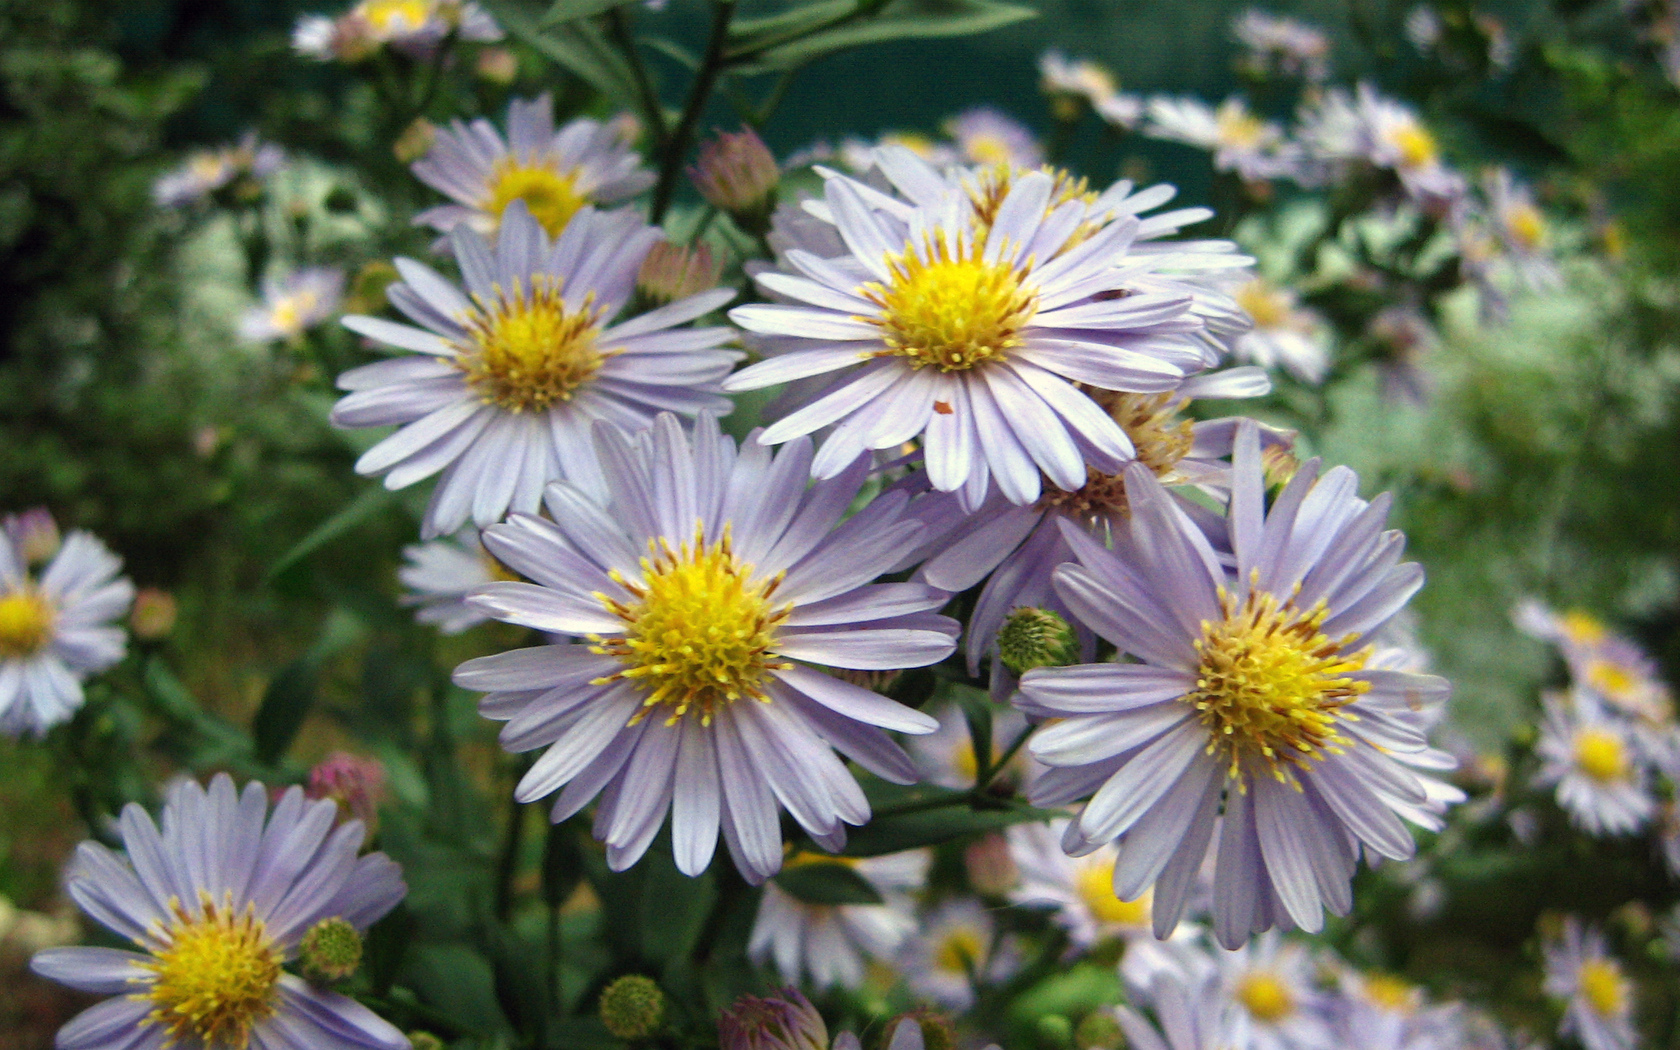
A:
(786, 1022)
(1099, 1030)
(34, 534)
(632, 1007)
(991, 870)
(673, 271)
(1033, 637)
(356, 784)
(153, 615)
(424, 1041)
(331, 951)
(498, 65)
(415, 141)
(737, 174)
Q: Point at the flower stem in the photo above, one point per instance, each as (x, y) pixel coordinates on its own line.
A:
(652, 111)
(676, 147)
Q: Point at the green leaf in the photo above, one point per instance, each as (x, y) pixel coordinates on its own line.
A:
(579, 46)
(825, 28)
(572, 10)
(370, 504)
(291, 692)
(827, 882)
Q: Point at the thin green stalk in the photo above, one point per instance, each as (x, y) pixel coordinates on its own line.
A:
(507, 864)
(778, 92)
(699, 94)
(864, 9)
(618, 27)
(982, 783)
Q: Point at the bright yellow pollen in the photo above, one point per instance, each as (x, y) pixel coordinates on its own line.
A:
(959, 950)
(987, 149)
(1239, 129)
(1095, 885)
(1612, 679)
(952, 311)
(526, 350)
(26, 621)
(1264, 996)
(1601, 755)
(395, 16)
(1603, 987)
(1266, 303)
(1159, 436)
(990, 185)
(1417, 146)
(699, 632)
(1389, 992)
(1583, 628)
(1525, 224)
(289, 312)
(552, 196)
(1270, 685)
(216, 975)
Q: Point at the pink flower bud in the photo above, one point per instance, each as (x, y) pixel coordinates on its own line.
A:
(737, 174)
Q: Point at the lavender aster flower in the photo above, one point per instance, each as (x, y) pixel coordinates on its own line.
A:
(1287, 45)
(244, 166)
(964, 316)
(56, 628)
(438, 575)
(1598, 995)
(1188, 1008)
(216, 902)
(990, 136)
(1595, 764)
(834, 942)
(413, 27)
(1367, 128)
(1285, 334)
(502, 386)
(556, 173)
(1081, 888)
(1239, 141)
(1251, 684)
(294, 304)
(954, 950)
(697, 582)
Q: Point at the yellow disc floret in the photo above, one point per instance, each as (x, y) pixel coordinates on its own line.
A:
(1603, 987)
(1159, 436)
(526, 350)
(216, 973)
(1601, 755)
(26, 621)
(393, 17)
(551, 195)
(959, 950)
(1268, 304)
(1583, 628)
(1264, 995)
(698, 631)
(1526, 225)
(947, 307)
(1237, 128)
(1095, 886)
(1415, 145)
(1271, 686)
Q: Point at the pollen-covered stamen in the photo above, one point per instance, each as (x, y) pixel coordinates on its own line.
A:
(945, 306)
(26, 621)
(526, 349)
(216, 973)
(1601, 755)
(1159, 436)
(1271, 686)
(699, 631)
(991, 185)
(1264, 995)
(1416, 146)
(552, 196)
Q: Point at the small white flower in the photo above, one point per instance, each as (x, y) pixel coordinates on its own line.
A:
(833, 944)
(1598, 995)
(293, 305)
(957, 949)
(1285, 335)
(1081, 888)
(1595, 763)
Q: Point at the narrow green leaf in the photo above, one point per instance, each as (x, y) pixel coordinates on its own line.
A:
(794, 46)
(291, 692)
(369, 505)
(827, 882)
(572, 10)
(579, 46)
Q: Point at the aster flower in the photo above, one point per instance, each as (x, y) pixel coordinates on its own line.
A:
(243, 166)
(697, 581)
(990, 136)
(1239, 141)
(1252, 684)
(438, 575)
(1595, 765)
(412, 27)
(946, 756)
(1598, 996)
(1608, 665)
(1401, 337)
(833, 943)
(965, 315)
(216, 902)
(1521, 229)
(859, 155)
(56, 627)
(1272, 1002)
(1367, 128)
(1075, 78)
(1080, 888)
(1285, 335)
(1188, 1008)
(294, 304)
(556, 173)
(675, 271)
(1284, 44)
(954, 950)
(785, 1021)
(503, 382)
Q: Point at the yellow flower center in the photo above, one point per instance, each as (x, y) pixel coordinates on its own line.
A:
(959, 950)
(289, 312)
(1159, 437)
(1600, 754)
(1095, 885)
(527, 350)
(1238, 128)
(699, 631)
(987, 149)
(1267, 304)
(1526, 225)
(916, 143)
(1603, 987)
(26, 621)
(952, 311)
(1417, 146)
(552, 196)
(963, 761)
(1270, 685)
(988, 188)
(216, 975)
(1264, 996)
(1612, 679)
(496, 570)
(395, 16)
(1583, 628)
(1389, 992)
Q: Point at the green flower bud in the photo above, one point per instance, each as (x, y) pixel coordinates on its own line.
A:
(1099, 1031)
(1036, 638)
(1054, 1030)
(424, 1041)
(632, 1007)
(330, 951)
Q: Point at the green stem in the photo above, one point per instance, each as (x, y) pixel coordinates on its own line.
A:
(434, 75)
(507, 865)
(864, 9)
(646, 97)
(677, 147)
(778, 92)
(984, 782)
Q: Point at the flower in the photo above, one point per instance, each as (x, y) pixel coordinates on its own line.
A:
(786, 1021)
(34, 536)
(1252, 682)
(555, 173)
(243, 166)
(737, 174)
(1271, 1000)
(696, 580)
(1285, 334)
(504, 382)
(674, 271)
(439, 574)
(1597, 994)
(965, 316)
(946, 756)
(1075, 78)
(1611, 667)
(1400, 336)
(294, 304)
(413, 27)
(1188, 1007)
(1370, 129)
(1595, 763)
(1521, 229)
(1081, 888)
(355, 784)
(216, 902)
(832, 943)
(57, 627)
(989, 136)
(955, 950)
(1239, 141)
(1288, 45)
